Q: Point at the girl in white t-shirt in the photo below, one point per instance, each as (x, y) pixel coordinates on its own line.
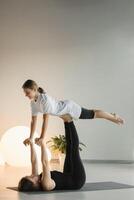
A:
(68, 110)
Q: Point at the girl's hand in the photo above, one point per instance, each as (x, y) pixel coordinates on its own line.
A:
(28, 141)
(39, 141)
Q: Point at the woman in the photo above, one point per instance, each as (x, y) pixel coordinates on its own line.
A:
(73, 175)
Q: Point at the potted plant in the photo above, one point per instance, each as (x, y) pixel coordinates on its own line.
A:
(58, 146)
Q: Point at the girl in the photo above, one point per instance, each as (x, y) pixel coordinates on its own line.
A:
(65, 109)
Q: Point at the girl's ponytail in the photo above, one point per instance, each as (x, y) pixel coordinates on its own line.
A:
(41, 90)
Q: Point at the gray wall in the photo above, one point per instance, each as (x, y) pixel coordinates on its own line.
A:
(79, 50)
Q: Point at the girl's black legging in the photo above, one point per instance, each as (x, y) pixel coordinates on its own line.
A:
(73, 175)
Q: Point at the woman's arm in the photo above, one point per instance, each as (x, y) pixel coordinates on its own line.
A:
(34, 160)
(46, 181)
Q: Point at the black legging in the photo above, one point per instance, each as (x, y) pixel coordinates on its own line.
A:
(73, 175)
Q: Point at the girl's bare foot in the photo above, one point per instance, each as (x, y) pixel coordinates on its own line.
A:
(118, 119)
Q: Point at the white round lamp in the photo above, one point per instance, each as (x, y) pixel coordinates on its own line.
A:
(2, 161)
(13, 149)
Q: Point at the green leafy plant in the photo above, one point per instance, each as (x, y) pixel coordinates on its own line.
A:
(58, 144)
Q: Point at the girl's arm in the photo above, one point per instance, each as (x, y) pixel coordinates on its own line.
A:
(33, 126)
(32, 130)
(44, 125)
(109, 116)
(43, 131)
(34, 160)
(46, 181)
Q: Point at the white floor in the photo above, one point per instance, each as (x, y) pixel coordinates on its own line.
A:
(122, 173)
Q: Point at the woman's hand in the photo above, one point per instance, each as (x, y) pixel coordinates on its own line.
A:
(28, 141)
(39, 141)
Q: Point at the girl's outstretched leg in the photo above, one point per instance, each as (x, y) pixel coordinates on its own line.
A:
(97, 113)
(109, 116)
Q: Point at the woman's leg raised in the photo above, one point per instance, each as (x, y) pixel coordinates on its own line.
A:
(68, 158)
(64, 180)
(77, 168)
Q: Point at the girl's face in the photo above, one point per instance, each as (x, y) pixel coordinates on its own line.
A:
(30, 93)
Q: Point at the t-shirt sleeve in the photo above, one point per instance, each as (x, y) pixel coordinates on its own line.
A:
(34, 112)
(45, 104)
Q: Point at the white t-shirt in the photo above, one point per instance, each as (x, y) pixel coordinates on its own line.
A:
(48, 104)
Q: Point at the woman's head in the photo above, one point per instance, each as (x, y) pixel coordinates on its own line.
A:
(29, 183)
(31, 88)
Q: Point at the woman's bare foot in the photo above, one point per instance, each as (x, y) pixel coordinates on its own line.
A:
(117, 119)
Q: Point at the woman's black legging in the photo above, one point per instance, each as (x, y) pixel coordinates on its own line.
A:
(73, 175)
